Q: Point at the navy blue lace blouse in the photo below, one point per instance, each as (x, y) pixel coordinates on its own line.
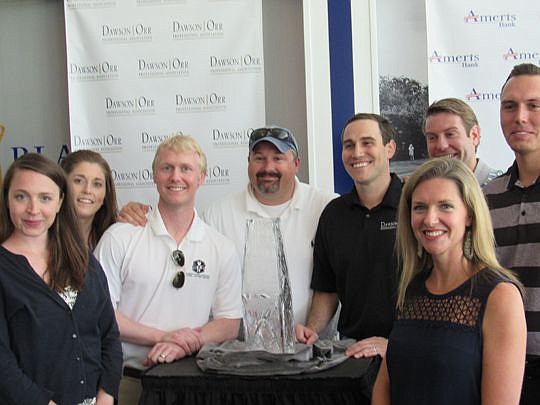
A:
(434, 352)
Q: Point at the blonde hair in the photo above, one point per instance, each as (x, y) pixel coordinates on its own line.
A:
(483, 240)
(181, 143)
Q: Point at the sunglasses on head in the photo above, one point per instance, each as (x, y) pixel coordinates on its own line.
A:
(180, 277)
(277, 133)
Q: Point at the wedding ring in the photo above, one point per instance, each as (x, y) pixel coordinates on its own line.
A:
(374, 349)
(162, 356)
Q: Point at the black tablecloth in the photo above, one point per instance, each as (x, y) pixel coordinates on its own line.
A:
(183, 383)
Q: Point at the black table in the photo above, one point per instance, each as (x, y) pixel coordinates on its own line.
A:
(183, 383)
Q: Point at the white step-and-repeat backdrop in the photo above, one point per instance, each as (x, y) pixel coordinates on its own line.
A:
(472, 46)
(143, 70)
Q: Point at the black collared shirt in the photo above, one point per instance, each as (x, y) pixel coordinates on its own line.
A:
(354, 256)
(47, 350)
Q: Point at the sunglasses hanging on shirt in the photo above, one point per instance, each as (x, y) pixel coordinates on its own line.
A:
(180, 277)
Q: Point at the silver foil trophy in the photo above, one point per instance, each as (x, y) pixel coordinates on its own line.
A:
(266, 291)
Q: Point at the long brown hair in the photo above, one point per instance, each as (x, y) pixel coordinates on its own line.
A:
(68, 254)
(107, 213)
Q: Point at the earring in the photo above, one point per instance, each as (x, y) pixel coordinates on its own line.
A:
(468, 250)
(419, 249)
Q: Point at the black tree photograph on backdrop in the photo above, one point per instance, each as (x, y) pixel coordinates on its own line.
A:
(402, 67)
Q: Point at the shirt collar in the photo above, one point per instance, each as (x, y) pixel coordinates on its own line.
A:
(390, 199)
(513, 179)
(481, 171)
(195, 232)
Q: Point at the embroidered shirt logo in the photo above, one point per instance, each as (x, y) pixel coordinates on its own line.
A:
(198, 266)
(386, 226)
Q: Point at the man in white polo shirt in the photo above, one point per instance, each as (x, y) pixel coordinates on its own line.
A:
(273, 191)
(170, 277)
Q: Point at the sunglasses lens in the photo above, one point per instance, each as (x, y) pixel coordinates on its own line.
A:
(279, 133)
(178, 257)
(179, 279)
(257, 134)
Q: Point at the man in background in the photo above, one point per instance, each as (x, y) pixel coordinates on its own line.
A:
(451, 129)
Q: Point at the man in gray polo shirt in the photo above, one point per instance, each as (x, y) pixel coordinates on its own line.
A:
(514, 201)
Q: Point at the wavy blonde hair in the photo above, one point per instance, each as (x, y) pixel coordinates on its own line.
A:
(483, 240)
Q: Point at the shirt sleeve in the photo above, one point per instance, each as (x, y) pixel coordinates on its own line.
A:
(323, 277)
(110, 254)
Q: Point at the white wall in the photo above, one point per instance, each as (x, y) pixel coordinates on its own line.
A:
(33, 84)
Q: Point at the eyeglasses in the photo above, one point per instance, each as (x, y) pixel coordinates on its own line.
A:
(180, 277)
(282, 134)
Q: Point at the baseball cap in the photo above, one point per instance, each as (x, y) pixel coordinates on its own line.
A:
(281, 138)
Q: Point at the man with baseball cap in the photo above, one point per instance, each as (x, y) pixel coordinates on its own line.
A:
(274, 191)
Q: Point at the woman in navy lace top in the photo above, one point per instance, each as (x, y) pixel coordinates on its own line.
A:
(459, 335)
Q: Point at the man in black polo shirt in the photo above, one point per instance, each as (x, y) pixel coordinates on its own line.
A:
(354, 261)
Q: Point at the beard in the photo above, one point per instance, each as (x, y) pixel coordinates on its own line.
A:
(264, 187)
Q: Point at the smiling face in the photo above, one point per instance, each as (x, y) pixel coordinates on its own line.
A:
(272, 173)
(446, 136)
(365, 157)
(520, 114)
(88, 187)
(33, 202)
(439, 217)
(178, 176)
